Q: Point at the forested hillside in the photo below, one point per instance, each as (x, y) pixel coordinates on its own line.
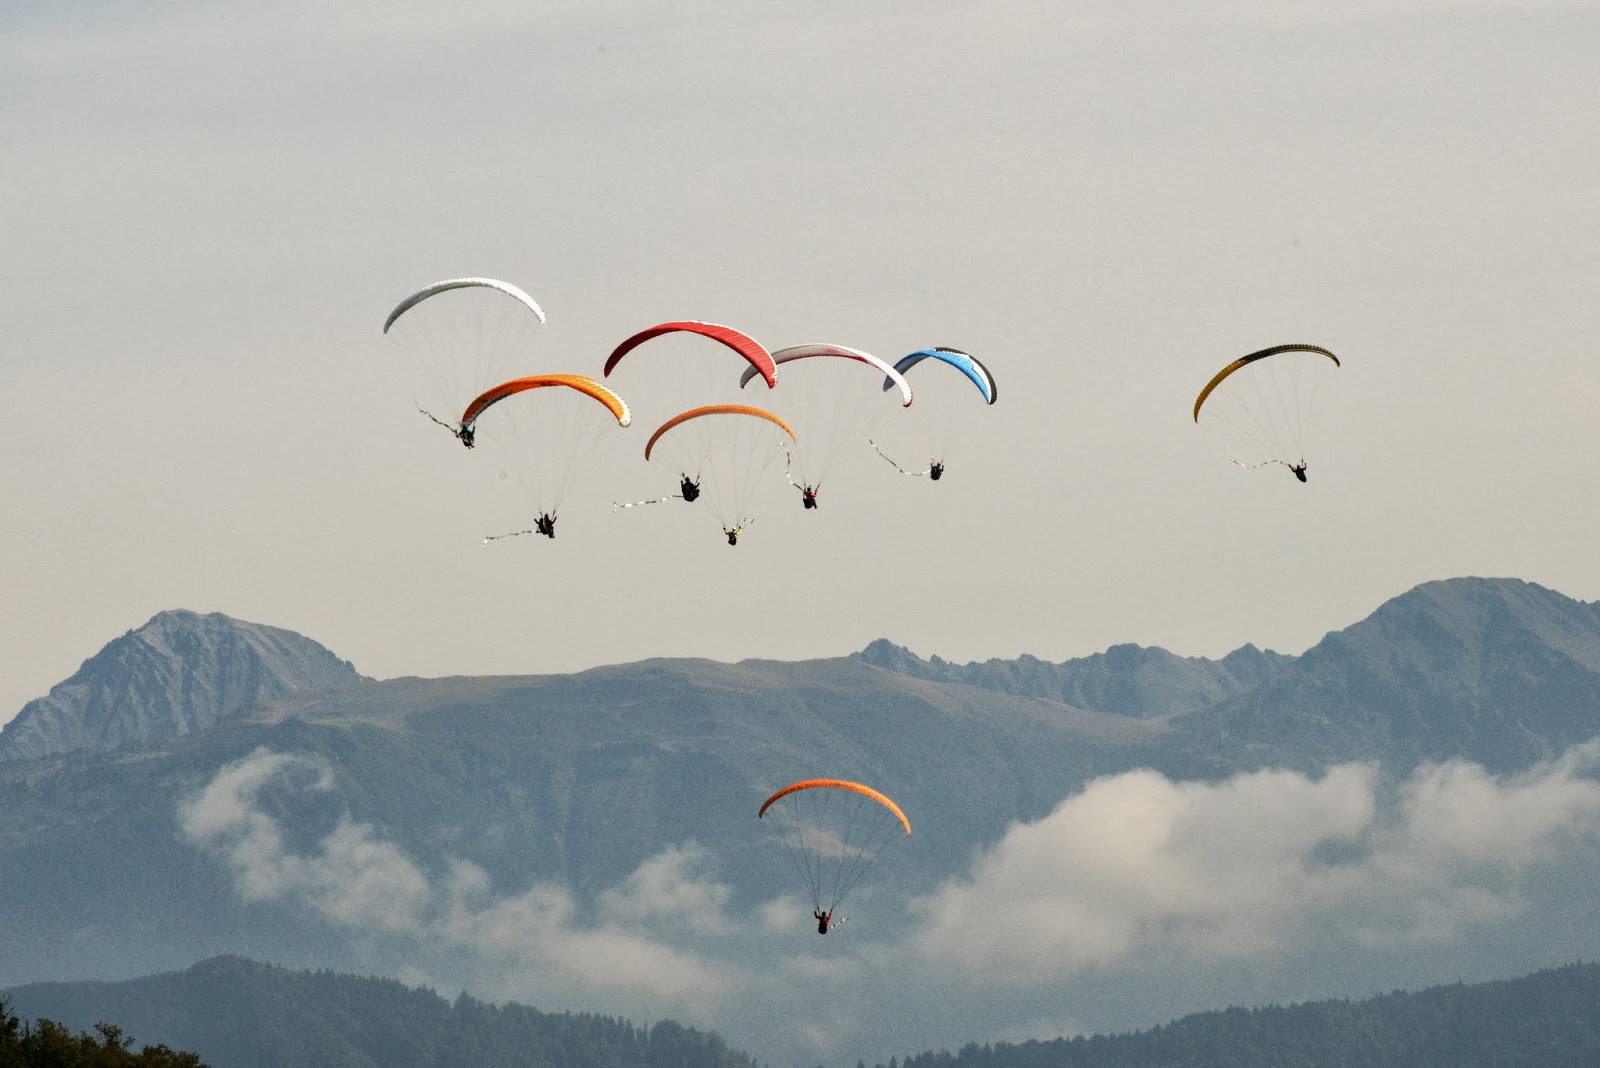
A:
(1547, 1020)
(45, 1043)
(239, 1014)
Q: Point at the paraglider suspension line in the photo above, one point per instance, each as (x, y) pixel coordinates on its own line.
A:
(812, 864)
(510, 534)
(1297, 467)
(452, 427)
(865, 855)
(794, 844)
(654, 500)
(897, 467)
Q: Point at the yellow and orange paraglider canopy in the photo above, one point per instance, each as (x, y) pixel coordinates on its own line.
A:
(716, 409)
(838, 784)
(834, 831)
(1244, 361)
(587, 386)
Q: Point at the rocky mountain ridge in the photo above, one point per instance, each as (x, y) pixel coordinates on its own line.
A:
(1500, 671)
(1145, 682)
(179, 673)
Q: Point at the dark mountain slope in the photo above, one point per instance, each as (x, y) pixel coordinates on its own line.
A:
(180, 672)
(239, 1014)
(1547, 1020)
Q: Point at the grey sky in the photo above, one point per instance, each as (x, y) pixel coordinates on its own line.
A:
(209, 208)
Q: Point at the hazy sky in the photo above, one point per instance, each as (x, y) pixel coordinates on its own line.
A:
(208, 209)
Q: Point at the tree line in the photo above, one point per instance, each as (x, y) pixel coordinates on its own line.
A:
(1550, 1019)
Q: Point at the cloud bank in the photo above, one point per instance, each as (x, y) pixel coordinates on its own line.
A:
(1137, 899)
(353, 879)
(1137, 864)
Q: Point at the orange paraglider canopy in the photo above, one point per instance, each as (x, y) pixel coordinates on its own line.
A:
(1242, 361)
(587, 386)
(838, 784)
(716, 409)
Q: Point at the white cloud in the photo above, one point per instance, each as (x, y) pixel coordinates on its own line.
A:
(1136, 861)
(668, 888)
(353, 879)
(1137, 864)
(1462, 814)
(1137, 899)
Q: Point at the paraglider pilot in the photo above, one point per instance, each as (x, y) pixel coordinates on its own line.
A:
(467, 435)
(1299, 470)
(823, 919)
(733, 534)
(808, 496)
(935, 470)
(689, 488)
(546, 525)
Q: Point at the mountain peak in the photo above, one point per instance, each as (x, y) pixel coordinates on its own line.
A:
(180, 672)
(1455, 621)
(886, 654)
(1500, 671)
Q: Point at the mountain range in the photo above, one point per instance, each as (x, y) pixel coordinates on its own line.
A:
(582, 781)
(1497, 671)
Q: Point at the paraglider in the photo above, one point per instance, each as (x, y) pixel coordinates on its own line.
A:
(964, 362)
(720, 451)
(1262, 404)
(542, 429)
(587, 386)
(461, 336)
(945, 411)
(463, 283)
(742, 344)
(831, 397)
(833, 831)
(714, 410)
(688, 364)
